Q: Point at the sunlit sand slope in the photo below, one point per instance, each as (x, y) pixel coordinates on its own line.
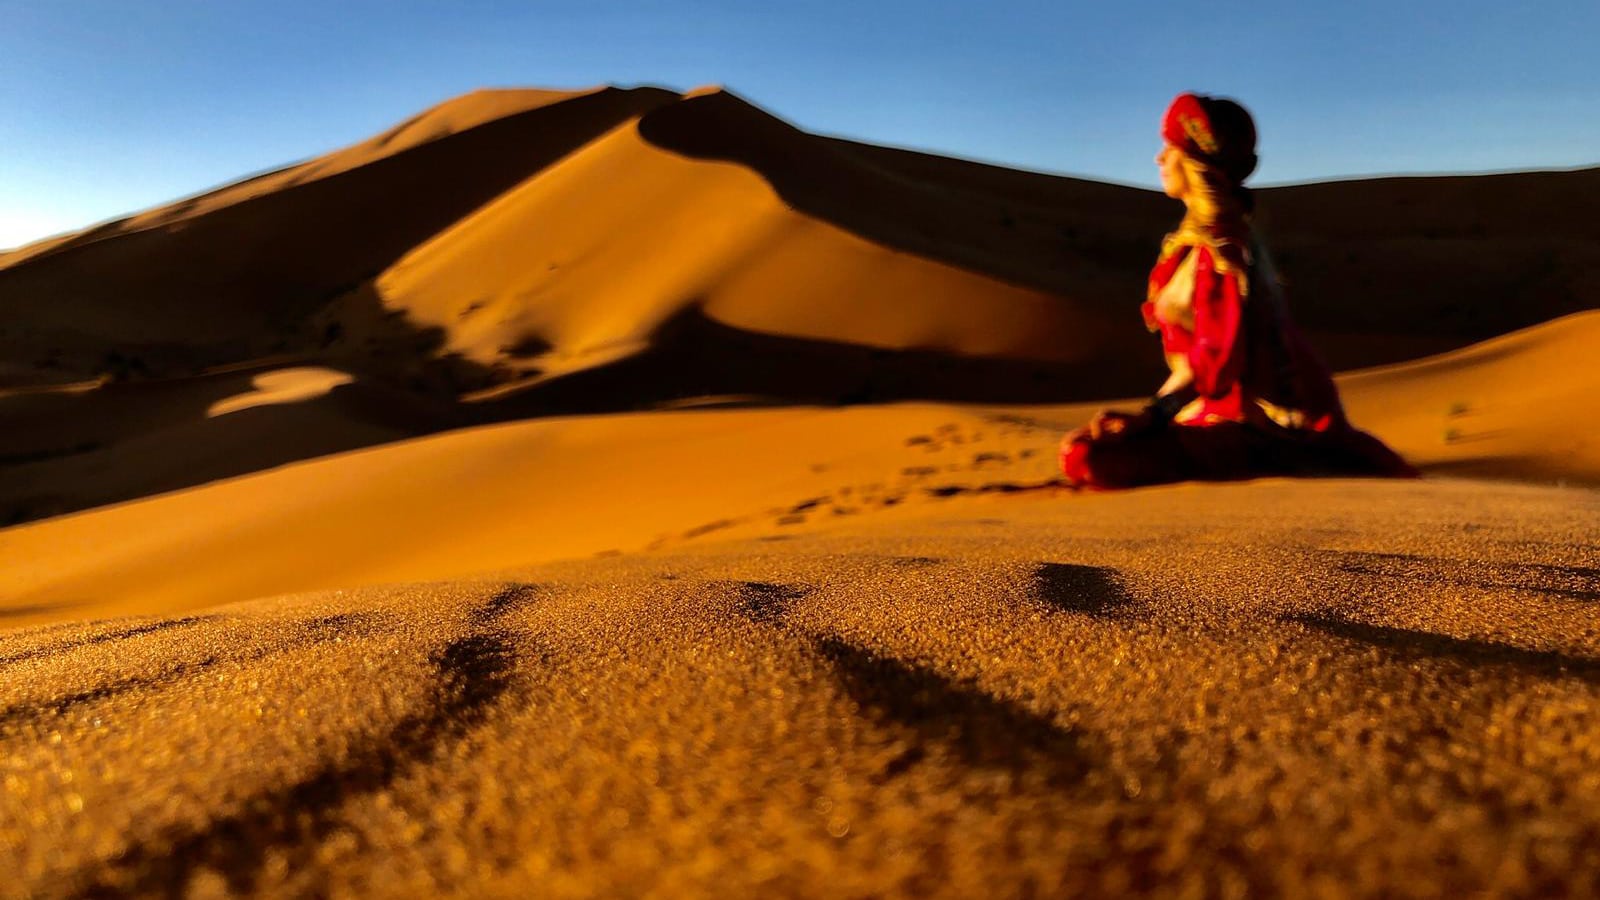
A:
(1352, 688)
(587, 261)
(499, 496)
(1526, 405)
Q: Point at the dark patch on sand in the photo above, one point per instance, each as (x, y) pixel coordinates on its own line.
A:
(1095, 590)
(980, 730)
(472, 673)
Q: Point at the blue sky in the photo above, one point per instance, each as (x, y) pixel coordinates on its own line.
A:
(110, 106)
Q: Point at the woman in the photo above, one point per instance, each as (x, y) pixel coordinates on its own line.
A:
(1247, 396)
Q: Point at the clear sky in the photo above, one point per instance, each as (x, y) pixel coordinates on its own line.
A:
(111, 106)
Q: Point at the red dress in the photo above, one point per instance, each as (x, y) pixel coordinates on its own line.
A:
(1266, 404)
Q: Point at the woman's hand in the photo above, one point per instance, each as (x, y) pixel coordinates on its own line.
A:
(1112, 425)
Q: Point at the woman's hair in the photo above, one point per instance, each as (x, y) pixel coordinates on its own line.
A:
(1216, 139)
(1213, 196)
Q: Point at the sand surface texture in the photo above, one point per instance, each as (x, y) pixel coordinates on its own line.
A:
(1318, 686)
(623, 492)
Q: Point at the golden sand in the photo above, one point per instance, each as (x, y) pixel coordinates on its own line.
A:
(1346, 687)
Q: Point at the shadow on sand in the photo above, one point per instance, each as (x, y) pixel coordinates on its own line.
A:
(1409, 644)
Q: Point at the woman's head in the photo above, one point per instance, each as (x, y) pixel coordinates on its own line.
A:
(1210, 150)
(1215, 131)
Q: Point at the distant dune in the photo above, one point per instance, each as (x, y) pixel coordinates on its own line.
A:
(479, 226)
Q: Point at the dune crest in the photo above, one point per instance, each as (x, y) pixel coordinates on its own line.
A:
(455, 115)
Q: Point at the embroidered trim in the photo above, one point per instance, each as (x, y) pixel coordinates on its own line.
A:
(1229, 256)
(1282, 416)
(1174, 304)
(1199, 132)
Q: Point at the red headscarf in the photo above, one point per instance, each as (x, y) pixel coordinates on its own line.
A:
(1214, 130)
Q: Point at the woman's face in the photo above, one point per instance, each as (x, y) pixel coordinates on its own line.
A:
(1173, 182)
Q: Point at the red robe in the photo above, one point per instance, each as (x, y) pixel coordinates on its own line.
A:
(1267, 405)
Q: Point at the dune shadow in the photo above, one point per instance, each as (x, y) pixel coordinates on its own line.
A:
(33, 609)
(128, 440)
(1411, 644)
(1061, 235)
(694, 355)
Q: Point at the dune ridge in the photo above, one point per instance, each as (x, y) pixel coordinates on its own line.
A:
(455, 115)
(718, 240)
(236, 276)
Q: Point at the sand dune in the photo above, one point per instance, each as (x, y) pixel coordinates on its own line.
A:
(443, 121)
(1460, 256)
(234, 274)
(908, 243)
(527, 269)
(493, 497)
(1521, 405)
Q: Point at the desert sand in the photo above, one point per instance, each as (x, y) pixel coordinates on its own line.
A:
(618, 491)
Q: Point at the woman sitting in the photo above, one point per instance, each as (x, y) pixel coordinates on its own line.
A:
(1247, 395)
